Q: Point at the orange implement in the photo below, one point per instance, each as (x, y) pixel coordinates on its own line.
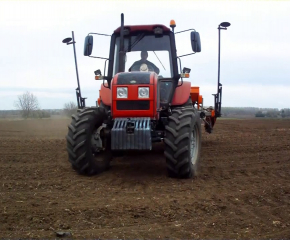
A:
(194, 93)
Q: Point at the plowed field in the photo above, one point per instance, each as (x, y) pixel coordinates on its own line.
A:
(242, 191)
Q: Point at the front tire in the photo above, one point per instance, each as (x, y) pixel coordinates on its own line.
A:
(81, 150)
(183, 142)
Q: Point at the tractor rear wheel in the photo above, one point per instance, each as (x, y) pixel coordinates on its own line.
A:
(88, 152)
(183, 142)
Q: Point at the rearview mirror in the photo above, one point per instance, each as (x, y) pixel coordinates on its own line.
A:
(195, 41)
(88, 47)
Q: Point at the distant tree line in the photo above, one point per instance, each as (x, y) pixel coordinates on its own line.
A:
(285, 112)
(44, 113)
(27, 106)
(238, 111)
(255, 112)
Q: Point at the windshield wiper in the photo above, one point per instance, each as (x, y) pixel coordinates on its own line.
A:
(159, 60)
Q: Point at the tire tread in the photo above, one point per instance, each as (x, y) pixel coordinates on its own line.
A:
(177, 136)
(80, 155)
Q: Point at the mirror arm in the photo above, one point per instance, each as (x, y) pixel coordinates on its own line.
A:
(100, 34)
(185, 30)
(99, 57)
(186, 55)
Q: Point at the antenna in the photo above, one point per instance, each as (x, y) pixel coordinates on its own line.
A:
(80, 100)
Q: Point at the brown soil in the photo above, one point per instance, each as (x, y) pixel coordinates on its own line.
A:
(242, 191)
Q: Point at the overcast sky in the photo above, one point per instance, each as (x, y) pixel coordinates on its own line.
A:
(255, 50)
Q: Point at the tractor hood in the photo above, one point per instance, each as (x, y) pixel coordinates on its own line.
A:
(129, 78)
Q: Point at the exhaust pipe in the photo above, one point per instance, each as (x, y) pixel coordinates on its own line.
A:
(121, 52)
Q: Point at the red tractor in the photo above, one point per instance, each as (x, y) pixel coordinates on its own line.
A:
(140, 104)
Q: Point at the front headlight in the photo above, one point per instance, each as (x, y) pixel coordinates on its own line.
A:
(122, 92)
(143, 92)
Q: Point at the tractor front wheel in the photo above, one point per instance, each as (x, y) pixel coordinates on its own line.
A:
(88, 151)
(183, 142)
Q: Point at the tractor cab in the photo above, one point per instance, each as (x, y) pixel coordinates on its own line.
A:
(143, 55)
(146, 49)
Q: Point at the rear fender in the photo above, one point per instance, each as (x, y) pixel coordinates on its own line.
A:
(181, 94)
(106, 95)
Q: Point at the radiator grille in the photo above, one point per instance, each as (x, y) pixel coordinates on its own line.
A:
(133, 105)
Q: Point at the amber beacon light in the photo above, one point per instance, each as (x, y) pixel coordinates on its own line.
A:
(172, 24)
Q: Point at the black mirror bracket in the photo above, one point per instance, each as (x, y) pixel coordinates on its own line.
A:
(186, 30)
(70, 43)
(180, 74)
(221, 28)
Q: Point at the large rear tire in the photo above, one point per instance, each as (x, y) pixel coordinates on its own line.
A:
(183, 142)
(81, 148)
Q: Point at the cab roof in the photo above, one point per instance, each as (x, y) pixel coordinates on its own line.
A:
(149, 28)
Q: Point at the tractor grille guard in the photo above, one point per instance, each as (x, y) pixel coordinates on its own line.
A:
(131, 134)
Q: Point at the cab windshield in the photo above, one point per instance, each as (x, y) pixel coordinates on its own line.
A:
(145, 53)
